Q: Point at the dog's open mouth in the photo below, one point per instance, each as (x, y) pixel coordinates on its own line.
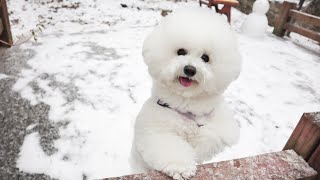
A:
(185, 81)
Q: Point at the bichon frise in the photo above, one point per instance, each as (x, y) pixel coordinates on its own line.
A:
(192, 57)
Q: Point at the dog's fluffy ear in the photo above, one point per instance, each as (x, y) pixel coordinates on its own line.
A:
(149, 45)
(155, 51)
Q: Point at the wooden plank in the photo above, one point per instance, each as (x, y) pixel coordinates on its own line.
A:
(1, 26)
(6, 34)
(314, 161)
(205, 2)
(296, 134)
(306, 136)
(305, 17)
(278, 165)
(283, 18)
(302, 31)
(232, 3)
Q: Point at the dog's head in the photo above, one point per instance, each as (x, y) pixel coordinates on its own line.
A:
(193, 52)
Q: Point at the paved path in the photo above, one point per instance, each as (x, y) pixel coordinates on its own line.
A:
(16, 114)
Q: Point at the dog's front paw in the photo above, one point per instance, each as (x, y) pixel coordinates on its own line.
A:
(205, 149)
(203, 154)
(180, 170)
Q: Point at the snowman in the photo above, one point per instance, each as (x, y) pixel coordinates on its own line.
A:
(256, 23)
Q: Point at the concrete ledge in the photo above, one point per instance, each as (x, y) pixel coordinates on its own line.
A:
(278, 165)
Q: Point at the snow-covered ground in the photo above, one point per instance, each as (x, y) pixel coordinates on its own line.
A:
(88, 67)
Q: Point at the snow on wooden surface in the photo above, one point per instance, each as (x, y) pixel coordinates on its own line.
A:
(278, 165)
(315, 117)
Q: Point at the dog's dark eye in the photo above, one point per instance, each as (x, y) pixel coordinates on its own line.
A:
(205, 58)
(182, 52)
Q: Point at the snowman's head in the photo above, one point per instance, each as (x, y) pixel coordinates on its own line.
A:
(261, 6)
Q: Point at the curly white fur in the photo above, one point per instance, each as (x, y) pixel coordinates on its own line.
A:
(164, 139)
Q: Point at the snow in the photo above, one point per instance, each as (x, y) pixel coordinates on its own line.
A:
(30, 127)
(88, 67)
(3, 76)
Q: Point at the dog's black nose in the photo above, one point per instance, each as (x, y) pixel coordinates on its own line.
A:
(190, 70)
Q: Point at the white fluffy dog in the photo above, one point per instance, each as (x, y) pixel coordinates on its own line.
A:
(192, 57)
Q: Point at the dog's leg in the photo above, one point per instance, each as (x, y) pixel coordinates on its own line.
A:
(206, 144)
(209, 142)
(222, 131)
(167, 153)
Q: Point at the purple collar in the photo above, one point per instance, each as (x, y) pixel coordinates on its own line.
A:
(188, 115)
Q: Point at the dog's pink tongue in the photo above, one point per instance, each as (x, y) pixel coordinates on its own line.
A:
(186, 82)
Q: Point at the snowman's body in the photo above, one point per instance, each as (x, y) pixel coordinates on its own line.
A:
(256, 23)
